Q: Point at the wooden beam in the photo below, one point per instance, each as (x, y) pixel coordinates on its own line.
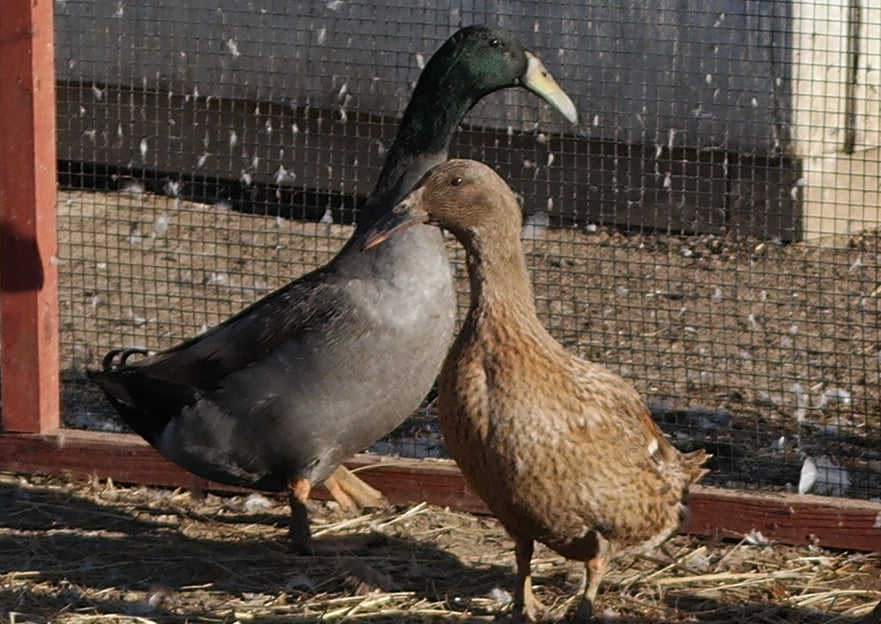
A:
(796, 519)
(830, 522)
(29, 248)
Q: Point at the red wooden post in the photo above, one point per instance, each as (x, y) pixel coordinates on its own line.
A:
(29, 357)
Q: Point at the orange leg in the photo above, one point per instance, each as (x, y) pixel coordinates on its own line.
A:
(525, 602)
(298, 497)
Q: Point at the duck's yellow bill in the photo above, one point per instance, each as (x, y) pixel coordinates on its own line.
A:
(538, 80)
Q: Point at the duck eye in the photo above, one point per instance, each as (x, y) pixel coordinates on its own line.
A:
(495, 43)
(457, 181)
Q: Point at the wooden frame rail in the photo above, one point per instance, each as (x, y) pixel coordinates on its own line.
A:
(28, 194)
(832, 522)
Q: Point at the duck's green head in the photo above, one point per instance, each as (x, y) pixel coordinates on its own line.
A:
(478, 60)
(474, 62)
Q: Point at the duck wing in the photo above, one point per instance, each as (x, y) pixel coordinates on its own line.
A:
(632, 483)
(203, 361)
(216, 402)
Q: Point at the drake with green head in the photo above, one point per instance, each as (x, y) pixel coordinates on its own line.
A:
(278, 396)
(473, 63)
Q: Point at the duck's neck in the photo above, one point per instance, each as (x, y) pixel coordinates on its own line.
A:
(501, 288)
(435, 111)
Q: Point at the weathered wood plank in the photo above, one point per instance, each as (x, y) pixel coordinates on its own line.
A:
(29, 248)
(831, 522)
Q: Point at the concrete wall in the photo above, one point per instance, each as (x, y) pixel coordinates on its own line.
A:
(837, 114)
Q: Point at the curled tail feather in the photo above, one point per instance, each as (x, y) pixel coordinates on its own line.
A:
(117, 358)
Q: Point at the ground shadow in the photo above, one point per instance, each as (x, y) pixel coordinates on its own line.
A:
(61, 551)
(97, 553)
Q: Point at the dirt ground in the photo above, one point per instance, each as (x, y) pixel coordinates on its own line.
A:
(768, 355)
(76, 552)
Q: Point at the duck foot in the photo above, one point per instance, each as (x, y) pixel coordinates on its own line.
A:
(533, 611)
(584, 613)
(353, 493)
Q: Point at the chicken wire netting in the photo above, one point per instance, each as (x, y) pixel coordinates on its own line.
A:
(708, 230)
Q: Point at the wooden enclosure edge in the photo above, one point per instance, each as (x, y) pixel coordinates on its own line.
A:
(829, 522)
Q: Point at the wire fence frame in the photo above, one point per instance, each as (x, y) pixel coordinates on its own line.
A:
(44, 427)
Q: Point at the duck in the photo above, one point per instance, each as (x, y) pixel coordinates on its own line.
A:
(562, 450)
(278, 396)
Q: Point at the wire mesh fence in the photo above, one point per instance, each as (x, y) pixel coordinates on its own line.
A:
(709, 230)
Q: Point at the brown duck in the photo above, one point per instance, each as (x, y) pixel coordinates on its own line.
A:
(562, 450)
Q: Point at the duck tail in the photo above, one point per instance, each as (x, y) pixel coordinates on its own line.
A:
(145, 404)
(693, 463)
(118, 358)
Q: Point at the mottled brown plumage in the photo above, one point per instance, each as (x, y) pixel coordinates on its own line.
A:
(562, 450)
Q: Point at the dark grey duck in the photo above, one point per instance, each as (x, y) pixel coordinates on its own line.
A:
(278, 396)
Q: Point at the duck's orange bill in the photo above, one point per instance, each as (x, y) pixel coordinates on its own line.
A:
(406, 214)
